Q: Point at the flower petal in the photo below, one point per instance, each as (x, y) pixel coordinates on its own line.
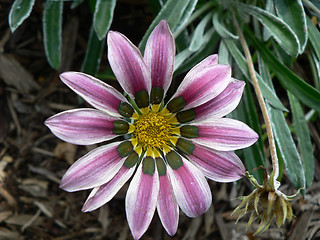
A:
(216, 165)
(97, 93)
(127, 64)
(190, 188)
(167, 206)
(159, 55)
(94, 169)
(208, 61)
(82, 126)
(225, 134)
(200, 85)
(141, 198)
(103, 194)
(223, 104)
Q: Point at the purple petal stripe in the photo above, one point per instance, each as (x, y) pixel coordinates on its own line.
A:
(95, 92)
(167, 206)
(127, 64)
(223, 104)
(103, 194)
(94, 169)
(191, 189)
(141, 201)
(203, 84)
(216, 165)
(159, 55)
(82, 126)
(225, 134)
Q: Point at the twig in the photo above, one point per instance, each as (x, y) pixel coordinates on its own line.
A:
(273, 152)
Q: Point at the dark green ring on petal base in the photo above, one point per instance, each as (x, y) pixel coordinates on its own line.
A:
(176, 104)
(161, 166)
(185, 146)
(156, 95)
(125, 109)
(148, 166)
(124, 148)
(189, 131)
(142, 99)
(120, 127)
(174, 160)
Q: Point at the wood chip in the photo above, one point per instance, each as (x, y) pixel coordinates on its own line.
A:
(65, 150)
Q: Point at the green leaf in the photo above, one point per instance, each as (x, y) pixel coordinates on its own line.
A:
(188, 18)
(211, 39)
(303, 91)
(172, 11)
(269, 8)
(223, 53)
(186, 15)
(103, 15)
(314, 36)
(287, 148)
(181, 57)
(92, 58)
(19, 11)
(267, 92)
(292, 12)
(52, 27)
(280, 31)
(302, 131)
(198, 34)
(221, 29)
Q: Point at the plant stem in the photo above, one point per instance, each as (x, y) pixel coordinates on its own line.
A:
(273, 152)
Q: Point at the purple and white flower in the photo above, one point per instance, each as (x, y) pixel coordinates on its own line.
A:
(169, 149)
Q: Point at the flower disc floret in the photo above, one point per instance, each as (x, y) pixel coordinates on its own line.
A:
(153, 130)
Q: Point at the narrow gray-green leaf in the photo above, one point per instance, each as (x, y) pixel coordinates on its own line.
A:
(221, 29)
(172, 11)
(211, 39)
(280, 31)
(223, 53)
(302, 90)
(314, 36)
(19, 11)
(292, 12)
(52, 27)
(198, 35)
(195, 15)
(302, 131)
(267, 92)
(103, 15)
(181, 57)
(92, 58)
(269, 8)
(186, 15)
(287, 148)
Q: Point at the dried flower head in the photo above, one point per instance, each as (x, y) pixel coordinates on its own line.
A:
(265, 203)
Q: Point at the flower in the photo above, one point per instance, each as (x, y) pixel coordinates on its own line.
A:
(169, 148)
(266, 202)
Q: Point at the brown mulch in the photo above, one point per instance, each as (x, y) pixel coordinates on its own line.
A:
(32, 160)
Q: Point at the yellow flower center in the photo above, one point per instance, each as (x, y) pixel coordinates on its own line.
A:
(153, 130)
